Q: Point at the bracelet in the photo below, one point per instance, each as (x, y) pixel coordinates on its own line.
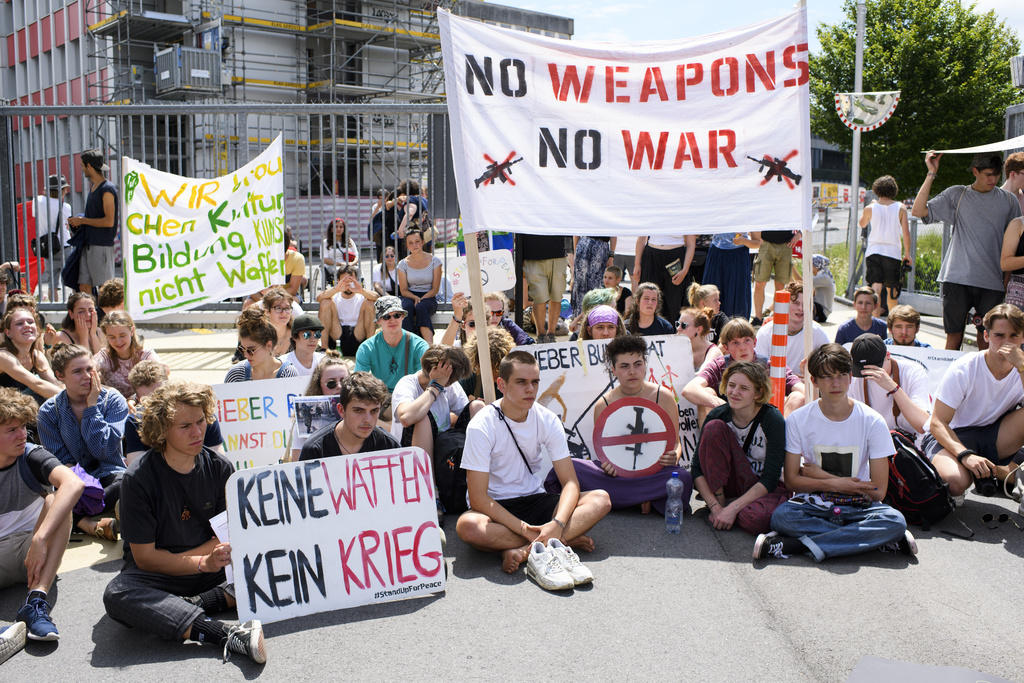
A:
(963, 454)
(437, 385)
(932, 175)
(713, 503)
(894, 390)
(558, 522)
(199, 565)
(456, 320)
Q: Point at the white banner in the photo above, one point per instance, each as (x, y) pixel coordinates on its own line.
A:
(697, 135)
(328, 534)
(934, 362)
(573, 377)
(256, 418)
(190, 241)
(1012, 143)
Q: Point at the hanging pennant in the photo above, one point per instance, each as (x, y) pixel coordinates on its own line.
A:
(866, 111)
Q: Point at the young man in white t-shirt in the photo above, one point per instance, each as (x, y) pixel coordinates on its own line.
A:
(432, 401)
(837, 453)
(795, 331)
(898, 391)
(504, 463)
(976, 426)
(346, 310)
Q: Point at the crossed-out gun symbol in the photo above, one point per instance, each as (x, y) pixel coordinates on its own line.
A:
(498, 171)
(777, 168)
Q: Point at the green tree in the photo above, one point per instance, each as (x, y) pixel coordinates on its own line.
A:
(952, 66)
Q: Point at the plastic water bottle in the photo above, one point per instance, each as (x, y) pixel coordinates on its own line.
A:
(674, 504)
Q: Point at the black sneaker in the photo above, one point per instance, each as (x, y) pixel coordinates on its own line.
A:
(774, 545)
(246, 639)
(906, 545)
(756, 322)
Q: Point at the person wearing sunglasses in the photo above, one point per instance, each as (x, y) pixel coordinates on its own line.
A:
(306, 333)
(359, 406)
(463, 322)
(257, 337)
(695, 323)
(326, 380)
(346, 311)
(393, 352)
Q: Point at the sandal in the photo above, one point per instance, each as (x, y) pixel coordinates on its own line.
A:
(106, 529)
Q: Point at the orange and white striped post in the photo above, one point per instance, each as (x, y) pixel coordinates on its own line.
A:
(777, 362)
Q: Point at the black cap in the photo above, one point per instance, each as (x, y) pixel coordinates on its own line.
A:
(56, 183)
(867, 349)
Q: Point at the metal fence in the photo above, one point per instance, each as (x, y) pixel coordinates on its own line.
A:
(336, 158)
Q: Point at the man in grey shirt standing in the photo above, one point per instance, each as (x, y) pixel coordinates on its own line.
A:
(979, 213)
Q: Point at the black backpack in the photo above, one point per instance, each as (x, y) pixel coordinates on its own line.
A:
(915, 487)
(448, 473)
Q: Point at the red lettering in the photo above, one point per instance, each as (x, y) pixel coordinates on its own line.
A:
(681, 155)
(765, 72)
(653, 84)
(367, 560)
(387, 554)
(716, 77)
(433, 554)
(790, 62)
(644, 146)
(342, 493)
(421, 467)
(610, 84)
(682, 80)
(571, 82)
(400, 553)
(346, 572)
(354, 473)
(725, 148)
(228, 411)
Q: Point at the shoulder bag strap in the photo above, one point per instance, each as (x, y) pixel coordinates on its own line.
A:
(956, 211)
(501, 416)
(408, 343)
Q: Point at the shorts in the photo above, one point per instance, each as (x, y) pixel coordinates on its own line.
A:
(545, 279)
(96, 265)
(884, 269)
(981, 440)
(958, 300)
(537, 508)
(13, 550)
(773, 257)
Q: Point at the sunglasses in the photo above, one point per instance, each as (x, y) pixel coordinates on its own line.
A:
(392, 316)
(993, 522)
(332, 383)
(496, 314)
(249, 350)
(310, 334)
(681, 325)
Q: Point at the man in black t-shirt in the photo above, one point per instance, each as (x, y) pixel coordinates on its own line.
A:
(36, 520)
(173, 574)
(100, 222)
(359, 405)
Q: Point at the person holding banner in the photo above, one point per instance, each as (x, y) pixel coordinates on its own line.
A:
(257, 337)
(419, 279)
(665, 260)
(173, 573)
(626, 358)
(359, 407)
(393, 352)
(509, 509)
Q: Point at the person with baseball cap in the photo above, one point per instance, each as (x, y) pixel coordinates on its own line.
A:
(392, 353)
(898, 391)
(306, 332)
(100, 221)
(980, 214)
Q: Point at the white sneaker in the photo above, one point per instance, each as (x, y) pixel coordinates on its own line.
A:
(544, 567)
(12, 639)
(570, 562)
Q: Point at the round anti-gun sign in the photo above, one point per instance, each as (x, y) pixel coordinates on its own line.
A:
(631, 434)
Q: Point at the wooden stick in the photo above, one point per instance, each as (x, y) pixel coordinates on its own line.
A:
(476, 294)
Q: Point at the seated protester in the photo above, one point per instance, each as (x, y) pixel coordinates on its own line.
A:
(795, 330)
(419, 280)
(173, 572)
(709, 297)
(592, 299)
(603, 322)
(337, 249)
(837, 452)
(122, 352)
(257, 338)
(393, 352)
(741, 451)
(904, 324)
(80, 325)
(503, 458)
(432, 400)
(624, 296)
(499, 343)
(977, 426)
(35, 520)
(23, 366)
(626, 358)
(306, 332)
(644, 318)
(695, 323)
(385, 276)
(110, 296)
(738, 342)
(497, 305)
(83, 425)
(145, 378)
(326, 380)
(824, 287)
(346, 311)
(359, 407)
(463, 320)
(898, 391)
(865, 300)
(278, 305)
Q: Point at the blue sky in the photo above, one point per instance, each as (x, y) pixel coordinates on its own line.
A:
(636, 20)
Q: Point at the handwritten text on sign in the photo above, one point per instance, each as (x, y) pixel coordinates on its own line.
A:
(256, 418)
(554, 136)
(328, 534)
(190, 241)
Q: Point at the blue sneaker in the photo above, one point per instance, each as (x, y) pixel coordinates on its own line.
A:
(36, 615)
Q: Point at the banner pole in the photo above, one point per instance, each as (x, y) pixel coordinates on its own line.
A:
(808, 297)
(476, 295)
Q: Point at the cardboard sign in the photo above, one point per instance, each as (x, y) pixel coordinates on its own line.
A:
(190, 241)
(573, 377)
(256, 418)
(497, 272)
(328, 534)
(561, 137)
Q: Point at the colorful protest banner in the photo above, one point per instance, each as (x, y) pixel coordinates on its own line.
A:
(256, 418)
(190, 241)
(573, 377)
(555, 136)
(328, 534)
